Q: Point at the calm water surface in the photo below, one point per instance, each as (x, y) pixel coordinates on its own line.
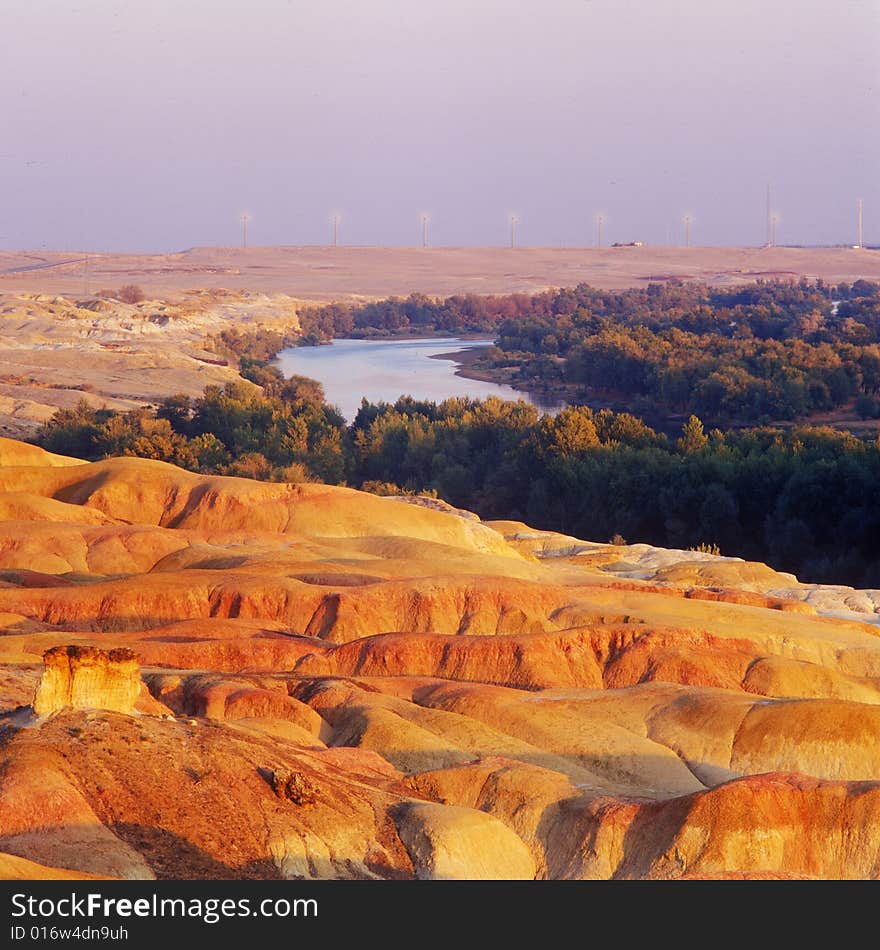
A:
(384, 370)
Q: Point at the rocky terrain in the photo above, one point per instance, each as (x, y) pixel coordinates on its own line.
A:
(216, 678)
(56, 350)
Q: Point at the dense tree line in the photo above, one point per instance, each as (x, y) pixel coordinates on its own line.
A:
(254, 344)
(802, 500)
(721, 378)
(764, 309)
(285, 432)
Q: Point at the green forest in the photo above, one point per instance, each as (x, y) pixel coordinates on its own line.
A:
(761, 353)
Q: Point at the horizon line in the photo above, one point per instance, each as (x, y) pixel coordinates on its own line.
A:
(617, 246)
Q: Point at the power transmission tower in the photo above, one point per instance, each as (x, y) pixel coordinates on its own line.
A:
(244, 224)
(336, 230)
(424, 230)
(514, 221)
(599, 222)
(774, 220)
(687, 230)
(861, 245)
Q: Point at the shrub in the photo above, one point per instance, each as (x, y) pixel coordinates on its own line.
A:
(130, 293)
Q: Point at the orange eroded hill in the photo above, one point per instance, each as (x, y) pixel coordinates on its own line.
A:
(259, 680)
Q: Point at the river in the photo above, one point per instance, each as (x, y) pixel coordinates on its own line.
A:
(383, 370)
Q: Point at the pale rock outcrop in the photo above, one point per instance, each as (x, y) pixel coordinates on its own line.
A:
(447, 842)
(88, 678)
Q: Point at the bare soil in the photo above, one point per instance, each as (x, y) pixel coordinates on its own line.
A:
(320, 273)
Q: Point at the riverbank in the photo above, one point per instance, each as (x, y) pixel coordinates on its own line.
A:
(468, 367)
(415, 334)
(465, 362)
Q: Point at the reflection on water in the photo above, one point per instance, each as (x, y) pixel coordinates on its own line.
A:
(384, 370)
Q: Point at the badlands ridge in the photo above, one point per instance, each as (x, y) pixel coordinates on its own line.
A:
(216, 678)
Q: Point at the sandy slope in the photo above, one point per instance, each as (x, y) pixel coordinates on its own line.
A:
(56, 350)
(339, 685)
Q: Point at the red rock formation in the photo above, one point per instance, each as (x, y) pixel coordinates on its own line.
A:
(347, 686)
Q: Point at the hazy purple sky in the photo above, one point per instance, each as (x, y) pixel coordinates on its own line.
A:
(152, 125)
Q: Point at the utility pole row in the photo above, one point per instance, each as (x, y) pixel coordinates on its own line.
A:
(687, 220)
